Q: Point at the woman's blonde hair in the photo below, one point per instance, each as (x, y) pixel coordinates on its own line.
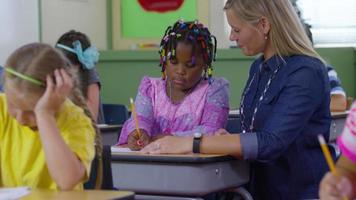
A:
(37, 60)
(287, 34)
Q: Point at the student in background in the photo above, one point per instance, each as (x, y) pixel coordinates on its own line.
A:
(77, 48)
(187, 99)
(46, 140)
(284, 106)
(344, 185)
(337, 93)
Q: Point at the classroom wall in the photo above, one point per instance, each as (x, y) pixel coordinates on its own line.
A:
(19, 25)
(121, 71)
(87, 16)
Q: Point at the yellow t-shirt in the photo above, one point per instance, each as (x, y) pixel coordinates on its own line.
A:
(22, 159)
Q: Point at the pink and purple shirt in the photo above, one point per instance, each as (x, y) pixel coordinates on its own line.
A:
(204, 110)
(347, 140)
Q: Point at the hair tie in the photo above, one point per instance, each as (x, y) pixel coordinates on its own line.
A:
(88, 58)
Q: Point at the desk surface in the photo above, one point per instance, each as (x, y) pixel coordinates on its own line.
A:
(86, 195)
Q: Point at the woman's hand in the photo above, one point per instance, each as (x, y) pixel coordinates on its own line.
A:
(136, 142)
(333, 188)
(221, 132)
(57, 90)
(170, 145)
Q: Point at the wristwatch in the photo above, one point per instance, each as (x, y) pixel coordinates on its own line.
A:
(196, 142)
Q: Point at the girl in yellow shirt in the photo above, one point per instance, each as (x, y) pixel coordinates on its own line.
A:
(46, 141)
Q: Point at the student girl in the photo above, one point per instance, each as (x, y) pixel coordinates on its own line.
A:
(187, 99)
(284, 106)
(77, 48)
(46, 141)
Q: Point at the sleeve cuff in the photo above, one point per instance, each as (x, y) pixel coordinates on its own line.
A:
(249, 145)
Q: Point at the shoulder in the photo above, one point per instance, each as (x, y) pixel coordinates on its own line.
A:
(297, 62)
(70, 113)
(149, 84)
(218, 83)
(3, 107)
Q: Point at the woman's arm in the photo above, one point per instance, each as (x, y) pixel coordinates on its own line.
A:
(93, 99)
(210, 144)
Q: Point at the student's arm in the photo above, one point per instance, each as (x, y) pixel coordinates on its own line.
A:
(344, 185)
(144, 111)
(63, 165)
(337, 103)
(93, 99)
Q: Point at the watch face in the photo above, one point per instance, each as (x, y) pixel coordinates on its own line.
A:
(197, 135)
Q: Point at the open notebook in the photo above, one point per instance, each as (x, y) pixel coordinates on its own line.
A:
(14, 193)
(117, 149)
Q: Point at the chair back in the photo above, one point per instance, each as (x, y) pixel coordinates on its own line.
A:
(115, 113)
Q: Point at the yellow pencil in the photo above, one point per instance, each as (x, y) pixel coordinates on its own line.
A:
(133, 112)
(328, 157)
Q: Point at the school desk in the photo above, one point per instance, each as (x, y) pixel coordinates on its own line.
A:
(337, 124)
(84, 195)
(192, 175)
(109, 133)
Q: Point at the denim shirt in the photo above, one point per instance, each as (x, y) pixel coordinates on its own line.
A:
(286, 159)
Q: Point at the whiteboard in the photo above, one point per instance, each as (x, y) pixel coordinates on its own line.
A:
(19, 25)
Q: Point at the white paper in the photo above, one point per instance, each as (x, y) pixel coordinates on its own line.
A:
(14, 193)
(117, 149)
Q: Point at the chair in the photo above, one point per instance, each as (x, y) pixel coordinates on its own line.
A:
(107, 182)
(115, 113)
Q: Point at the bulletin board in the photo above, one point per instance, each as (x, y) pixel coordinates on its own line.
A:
(132, 25)
(138, 23)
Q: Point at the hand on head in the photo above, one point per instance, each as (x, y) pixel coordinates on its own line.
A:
(332, 187)
(58, 88)
(137, 141)
(170, 145)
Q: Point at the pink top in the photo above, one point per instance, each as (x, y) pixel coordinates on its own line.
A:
(204, 110)
(347, 140)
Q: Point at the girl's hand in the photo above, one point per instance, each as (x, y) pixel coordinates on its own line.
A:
(136, 142)
(332, 187)
(57, 90)
(170, 145)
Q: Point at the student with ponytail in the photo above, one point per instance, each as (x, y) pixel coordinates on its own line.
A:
(78, 49)
(187, 99)
(46, 140)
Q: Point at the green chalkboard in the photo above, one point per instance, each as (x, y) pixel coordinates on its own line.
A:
(138, 23)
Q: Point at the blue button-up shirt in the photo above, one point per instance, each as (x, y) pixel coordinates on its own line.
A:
(287, 162)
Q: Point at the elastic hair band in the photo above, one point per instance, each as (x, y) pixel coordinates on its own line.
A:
(23, 76)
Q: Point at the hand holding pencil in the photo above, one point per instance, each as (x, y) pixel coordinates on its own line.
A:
(138, 138)
(332, 186)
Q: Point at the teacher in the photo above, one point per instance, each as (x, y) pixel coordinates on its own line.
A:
(284, 106)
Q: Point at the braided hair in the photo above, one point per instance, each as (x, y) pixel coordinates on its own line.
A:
(194, 33)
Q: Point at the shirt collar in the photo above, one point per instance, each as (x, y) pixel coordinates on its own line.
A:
(274, 62)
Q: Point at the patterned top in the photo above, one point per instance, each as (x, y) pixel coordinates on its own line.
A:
(334, 81)
(347, 140)
(203, 110)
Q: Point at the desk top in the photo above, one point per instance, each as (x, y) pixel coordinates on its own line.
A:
(109, 127)
(86, 195)
(170, 158)
(336, 115)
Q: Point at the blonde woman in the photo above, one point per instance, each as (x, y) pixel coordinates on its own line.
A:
(284, 105)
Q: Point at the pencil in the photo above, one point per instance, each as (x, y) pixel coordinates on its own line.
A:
(328, 157)
(133, 112)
